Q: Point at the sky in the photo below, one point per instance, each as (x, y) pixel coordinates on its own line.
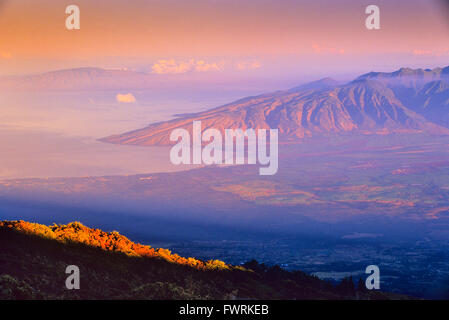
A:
(223, 38)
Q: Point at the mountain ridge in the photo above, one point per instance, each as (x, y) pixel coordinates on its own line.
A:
(32, 265)
(109, 241)
(366, 105)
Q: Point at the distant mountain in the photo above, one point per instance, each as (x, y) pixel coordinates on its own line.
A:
(406, 100)
(423, 91)
(91, 79)
(77, 79)
(408, 75)
(324, 83)
(34, 257)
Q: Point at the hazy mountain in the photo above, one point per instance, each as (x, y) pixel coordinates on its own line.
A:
(409, 77)
(406, 100)
(92, 79)
(77, 79)
(423, 91)
(324, 83)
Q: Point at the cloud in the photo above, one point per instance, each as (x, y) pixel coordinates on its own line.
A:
(245, 65)
(171, 66)
(125, 98)
(201, 65)
(360, 235)
(433, 53)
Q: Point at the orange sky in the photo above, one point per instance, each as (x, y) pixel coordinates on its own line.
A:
(265, 34)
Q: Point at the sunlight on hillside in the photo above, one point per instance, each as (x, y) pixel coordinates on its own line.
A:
(109, 241)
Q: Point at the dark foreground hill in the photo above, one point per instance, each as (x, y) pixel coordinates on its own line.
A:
(34, 257)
